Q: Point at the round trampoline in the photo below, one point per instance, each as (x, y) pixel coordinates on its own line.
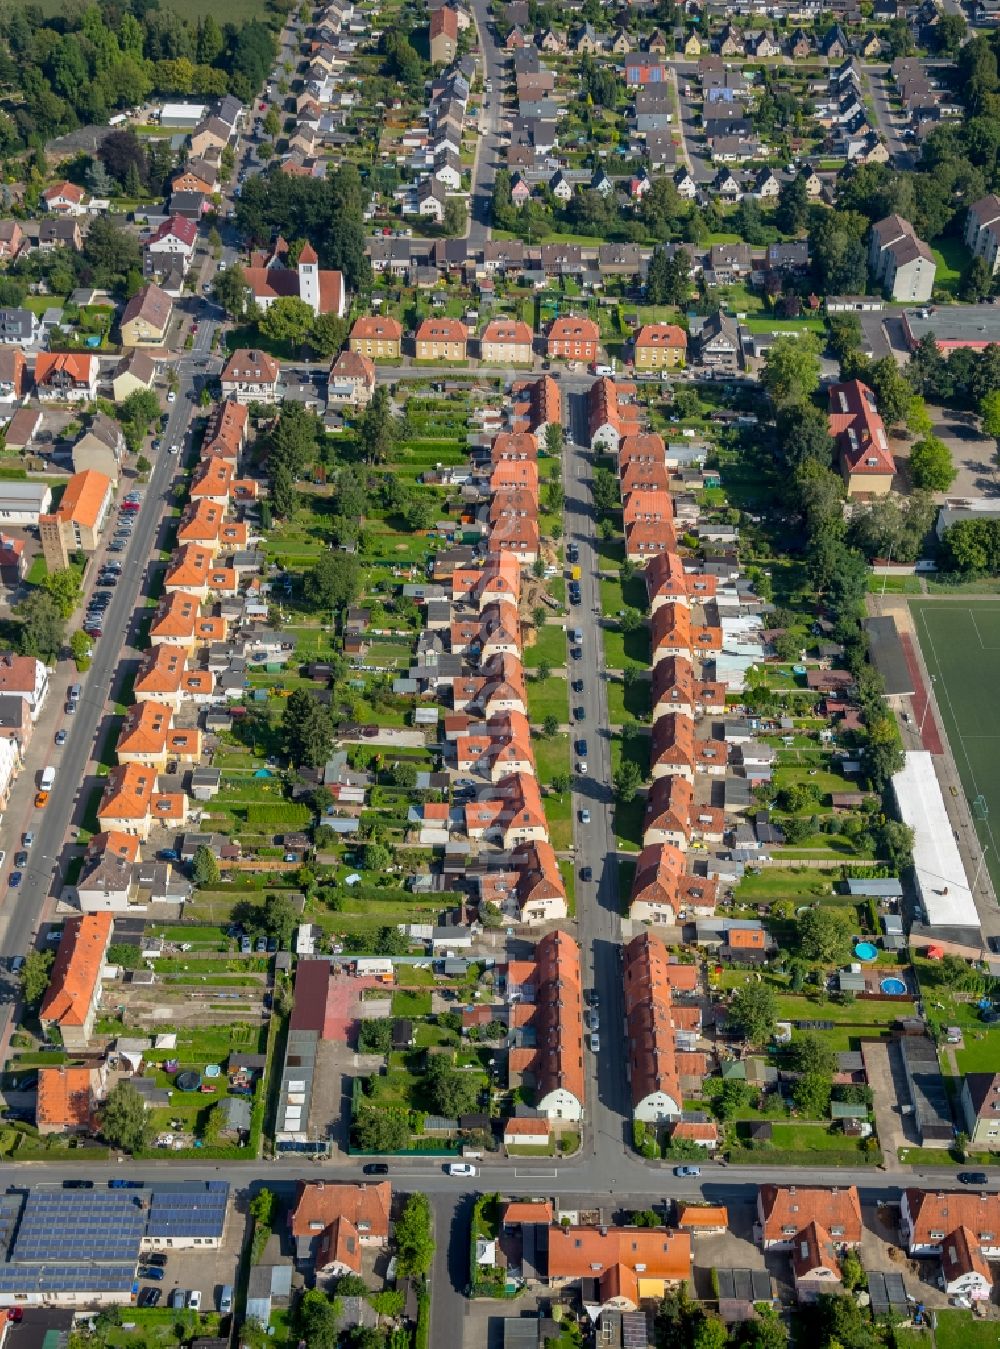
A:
(894, 987)
(864, 950)
(189, 1080)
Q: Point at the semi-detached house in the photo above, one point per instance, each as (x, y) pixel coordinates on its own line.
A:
(74, 993)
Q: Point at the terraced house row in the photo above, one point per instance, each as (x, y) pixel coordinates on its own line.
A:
(471, 657)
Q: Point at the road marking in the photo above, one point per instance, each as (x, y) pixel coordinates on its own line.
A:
(535, 1175)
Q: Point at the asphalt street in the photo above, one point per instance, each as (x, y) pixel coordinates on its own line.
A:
(597, 901)
(485, 170)
(25, 909)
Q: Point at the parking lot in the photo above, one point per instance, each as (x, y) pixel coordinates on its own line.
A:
(203, 1270)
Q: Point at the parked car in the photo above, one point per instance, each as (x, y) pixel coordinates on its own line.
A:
(586, 873)
(194, 1300)
(178, 1299)
(41, 800)
(973, 1178)
(375, 1169)
(595, 1044)
(152, 1272)
(60, 737)
(15, 879)
(460, 1169)
(685, 1171)
(149, 1297)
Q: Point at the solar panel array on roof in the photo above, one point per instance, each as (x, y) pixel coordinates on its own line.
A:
(44, 1278)
(188, 1211)
(79, 1226)
(887, 1291)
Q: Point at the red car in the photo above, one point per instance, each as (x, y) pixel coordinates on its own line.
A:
(15, 1313)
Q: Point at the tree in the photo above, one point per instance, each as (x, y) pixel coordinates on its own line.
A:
(81, 646)
(377, 431)
(455, 217)
(930, 465)
(883, 753)
(450, 1091)
(896, 841)
(232, 291)
(272, 123)
(811, 1054)
(733, 1098)
(414, 1238)
(389, 941)
(375, 1037)
(669, 278)
(263, 1207)
(804, 435)
(43, 627)
(846, 336)
(278, 919)
(754, 1012)
(824, 935)
(791, 368)
(334, 581)
(550, 726)
(317, 1320)
(283, 496)
(893, 394)
(989, 411)
(380, 1130)
(627, 780)
(560, 783)
(792, 214)
(204, 867)
(553, 439)
(288, 320)
(852, 1271)
(327, 334)
(378, 857)
(307, 730)
(404, 774)
(123, 1120)
(811, 1093)
(122, 153)
(976, 282)
(710, 1334)
(64, 587)
(35, 975)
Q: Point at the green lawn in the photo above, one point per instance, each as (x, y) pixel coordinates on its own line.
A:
(549, 647)
(628, 824)
(960, 1330)
(811, 1138)
(559, 813)
(634, 701)
(981, 1054)
(959, 642)
(952, 258)
(551, 756)
(615, 596)
(626, 648)
(548, 697)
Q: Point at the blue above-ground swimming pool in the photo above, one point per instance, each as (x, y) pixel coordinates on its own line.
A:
(893, 986)
(864, 950)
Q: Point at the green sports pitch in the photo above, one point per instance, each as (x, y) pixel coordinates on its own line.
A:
(960, 644)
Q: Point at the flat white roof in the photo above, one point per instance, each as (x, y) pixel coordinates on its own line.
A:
(942, 884)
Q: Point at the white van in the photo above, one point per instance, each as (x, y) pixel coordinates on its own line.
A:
(48, 778)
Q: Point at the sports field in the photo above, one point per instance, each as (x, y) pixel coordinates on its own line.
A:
(960, 644)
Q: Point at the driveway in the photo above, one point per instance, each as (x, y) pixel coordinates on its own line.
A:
(973, 454)
(884, 1070)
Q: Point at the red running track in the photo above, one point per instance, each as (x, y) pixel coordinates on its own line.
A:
(931, 737)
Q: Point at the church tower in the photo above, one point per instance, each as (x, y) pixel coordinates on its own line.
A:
(309, 277)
